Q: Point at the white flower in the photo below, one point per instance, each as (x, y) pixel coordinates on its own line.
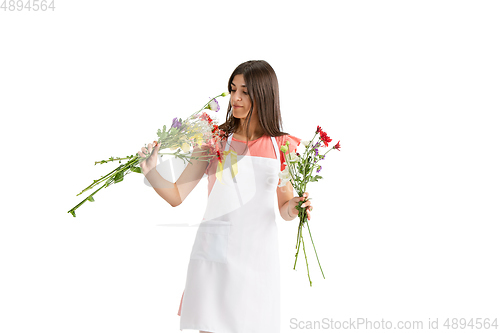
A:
(282, 183)
(285, 174)
(292, 157)
(213, 105)
(305, 142)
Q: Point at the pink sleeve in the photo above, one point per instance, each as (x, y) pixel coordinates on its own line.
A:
(294, 143)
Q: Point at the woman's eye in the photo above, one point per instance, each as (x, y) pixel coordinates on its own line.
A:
(246, 93)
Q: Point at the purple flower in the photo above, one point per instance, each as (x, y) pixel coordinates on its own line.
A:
(319, 169)
(213, 105)
(176, 123)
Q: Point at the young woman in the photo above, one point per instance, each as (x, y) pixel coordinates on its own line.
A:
(233, 278)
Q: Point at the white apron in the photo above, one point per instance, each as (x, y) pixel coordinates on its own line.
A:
(233, 278)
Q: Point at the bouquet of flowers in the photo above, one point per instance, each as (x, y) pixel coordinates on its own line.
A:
(198, 130)
(298, 170)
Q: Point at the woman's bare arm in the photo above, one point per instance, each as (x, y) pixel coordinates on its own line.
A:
(175, 193)
(192, 175)
(285, 194)
(165, 189)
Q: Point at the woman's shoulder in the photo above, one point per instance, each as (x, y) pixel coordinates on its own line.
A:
(292, 139)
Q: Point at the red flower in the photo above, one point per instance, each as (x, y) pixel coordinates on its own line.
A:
(221, 134)
(325, 138)
(318, 129)
(205, 116)
(337, 146)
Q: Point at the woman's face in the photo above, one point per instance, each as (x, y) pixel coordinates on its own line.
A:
(240, 100)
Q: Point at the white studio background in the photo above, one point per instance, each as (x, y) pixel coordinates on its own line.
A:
(405, 220)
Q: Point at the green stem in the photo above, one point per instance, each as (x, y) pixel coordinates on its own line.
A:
(81, 203)
(291, 168)
(305, 255)
(204, 106)
(100, 180)
(298, 230)
(297, 247)
(315, 249)
(112, 160)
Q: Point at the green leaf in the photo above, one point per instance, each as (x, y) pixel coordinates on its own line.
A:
(136, 169)
(91, 199)
(72, 213)
(118, 177)
(315, 178)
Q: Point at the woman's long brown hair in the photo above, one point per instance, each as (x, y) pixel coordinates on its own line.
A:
(262, 85)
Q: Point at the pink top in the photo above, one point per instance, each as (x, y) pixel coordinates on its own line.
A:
(262, 147)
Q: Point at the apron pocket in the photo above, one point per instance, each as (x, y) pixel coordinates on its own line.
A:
(211, 241)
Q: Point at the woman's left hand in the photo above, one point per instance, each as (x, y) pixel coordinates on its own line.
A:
(307, 204)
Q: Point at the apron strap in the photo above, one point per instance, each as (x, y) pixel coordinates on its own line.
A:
(228, 141)
(276, 150)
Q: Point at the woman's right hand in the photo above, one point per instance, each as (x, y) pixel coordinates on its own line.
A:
(150, 162)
